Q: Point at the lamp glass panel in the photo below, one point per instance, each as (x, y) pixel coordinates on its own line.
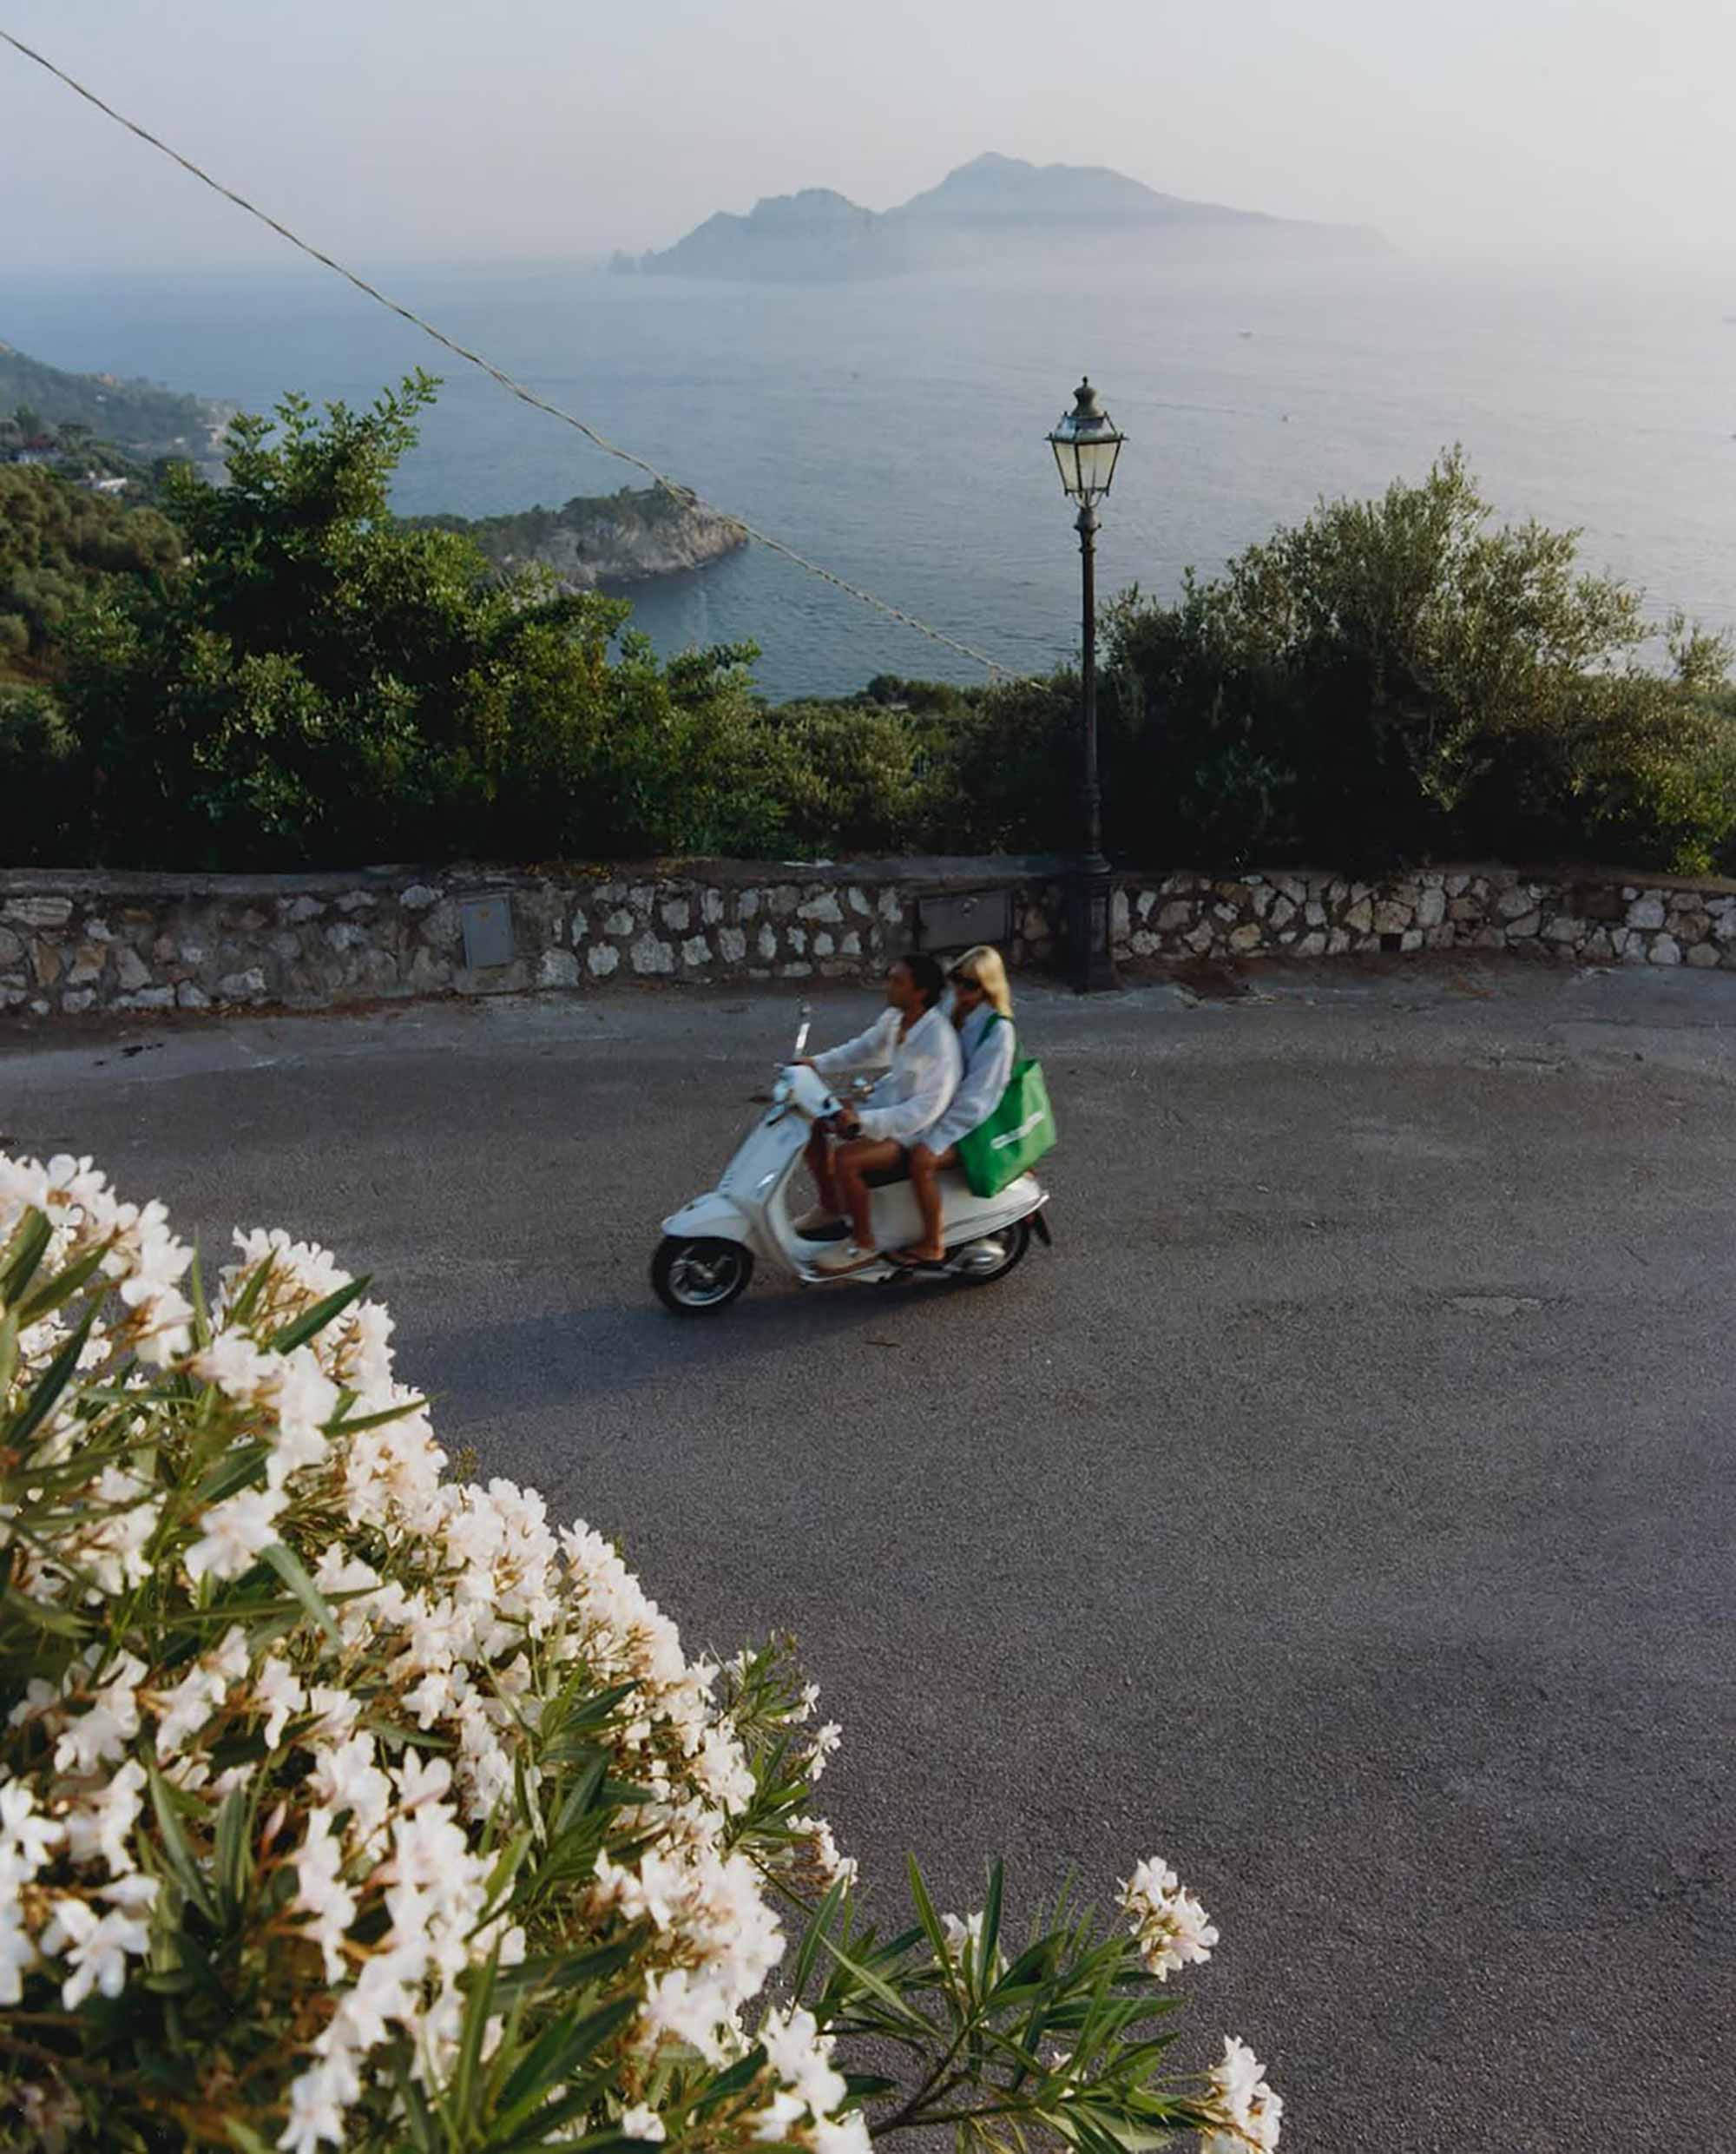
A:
(1066, 463)
(1097, 463)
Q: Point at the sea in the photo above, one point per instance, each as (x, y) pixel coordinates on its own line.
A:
(892, 431)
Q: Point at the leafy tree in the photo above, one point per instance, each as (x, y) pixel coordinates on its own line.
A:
(39, 776)
(60, 546)
(325, 684)
(1394, 679)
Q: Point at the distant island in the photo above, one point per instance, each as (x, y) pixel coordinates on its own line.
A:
(610, 538)
(994, 208)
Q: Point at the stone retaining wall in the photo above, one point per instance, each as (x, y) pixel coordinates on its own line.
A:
(74, 943)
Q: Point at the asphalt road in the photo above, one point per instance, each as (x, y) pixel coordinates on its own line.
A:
(1342, 1509)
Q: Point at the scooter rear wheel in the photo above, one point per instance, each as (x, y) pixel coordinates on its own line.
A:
(1012, 1242)
(697, 1277)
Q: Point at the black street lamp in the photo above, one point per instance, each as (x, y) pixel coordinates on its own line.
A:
(1086, 446)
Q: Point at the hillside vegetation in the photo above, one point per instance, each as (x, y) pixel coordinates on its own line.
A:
(139, 417)
(316, 683)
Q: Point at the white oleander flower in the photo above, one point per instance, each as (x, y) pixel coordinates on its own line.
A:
(1245, 2112)
(963, 1937)
(27, 1838)
(112, 1550)
(17, 1949)
(801, 2057)
(1172, 1929)
(96, 1945)
(643, 2124)
(279, 1695)
(827, 1740)
(235, 1531)
(184, 1711)
(100, 1736)
(828, 1861)
(99, 1826)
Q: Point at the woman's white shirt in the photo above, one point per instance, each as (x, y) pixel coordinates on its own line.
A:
(922, 1073)
(988, 1046)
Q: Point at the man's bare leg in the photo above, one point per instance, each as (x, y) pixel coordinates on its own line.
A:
(861, 1157)
(822, 1168)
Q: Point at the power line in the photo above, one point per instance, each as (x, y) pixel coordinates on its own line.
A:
(684, 495)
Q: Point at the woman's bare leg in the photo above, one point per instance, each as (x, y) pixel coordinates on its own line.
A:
(930, 1245)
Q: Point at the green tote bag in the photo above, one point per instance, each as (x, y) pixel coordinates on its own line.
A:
(1013, 1139)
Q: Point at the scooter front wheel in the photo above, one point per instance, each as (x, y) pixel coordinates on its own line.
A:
(697, 1277)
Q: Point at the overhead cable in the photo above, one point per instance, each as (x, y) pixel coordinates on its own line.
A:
(684, 495)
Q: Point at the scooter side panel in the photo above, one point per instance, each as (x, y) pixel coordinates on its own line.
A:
(898, 1223)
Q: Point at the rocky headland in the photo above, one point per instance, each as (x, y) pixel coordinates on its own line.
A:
(623, 537)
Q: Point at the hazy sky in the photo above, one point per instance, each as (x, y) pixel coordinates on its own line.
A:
(455, 129)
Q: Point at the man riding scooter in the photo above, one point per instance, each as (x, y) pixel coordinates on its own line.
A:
(916, 1045)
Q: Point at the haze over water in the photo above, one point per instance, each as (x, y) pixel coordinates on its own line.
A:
(893, 430)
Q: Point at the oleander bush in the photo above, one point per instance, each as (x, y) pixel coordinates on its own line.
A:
(345, 1803)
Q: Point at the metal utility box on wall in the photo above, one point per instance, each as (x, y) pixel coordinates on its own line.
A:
(488, 931)
(953, 920)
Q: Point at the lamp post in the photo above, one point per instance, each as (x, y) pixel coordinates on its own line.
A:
(1086, 446)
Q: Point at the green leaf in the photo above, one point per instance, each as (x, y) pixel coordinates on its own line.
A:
(818, 1926)
(581, 1796)
(243, 2136)
(875, 1984)
(39, 1615)
(478, 2008)
(287, 1566)
(232, 1473)
(740, 2075)
(233, 1856)
(241, 1315)
(22, 1253)
(176, 1852)
(9, 1351)
(924, 1906)
(553, 2057)
(992, 1923)
(60, 1289)
(572, 1971)
(415, 2102)
(54, 1380)
(314, 1320)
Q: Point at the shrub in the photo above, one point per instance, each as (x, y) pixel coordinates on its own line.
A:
(343, 1804)
(855, 777)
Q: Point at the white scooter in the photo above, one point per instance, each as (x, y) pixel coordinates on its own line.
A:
(708, 1250)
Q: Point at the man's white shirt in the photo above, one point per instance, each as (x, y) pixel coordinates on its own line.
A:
(922, 1073)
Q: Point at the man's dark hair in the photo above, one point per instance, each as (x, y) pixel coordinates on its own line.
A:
(929, 975)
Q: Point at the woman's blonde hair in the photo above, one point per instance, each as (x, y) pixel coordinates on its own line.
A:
(984, 966)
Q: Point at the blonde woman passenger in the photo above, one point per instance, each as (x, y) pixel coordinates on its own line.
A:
(982, 1013)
